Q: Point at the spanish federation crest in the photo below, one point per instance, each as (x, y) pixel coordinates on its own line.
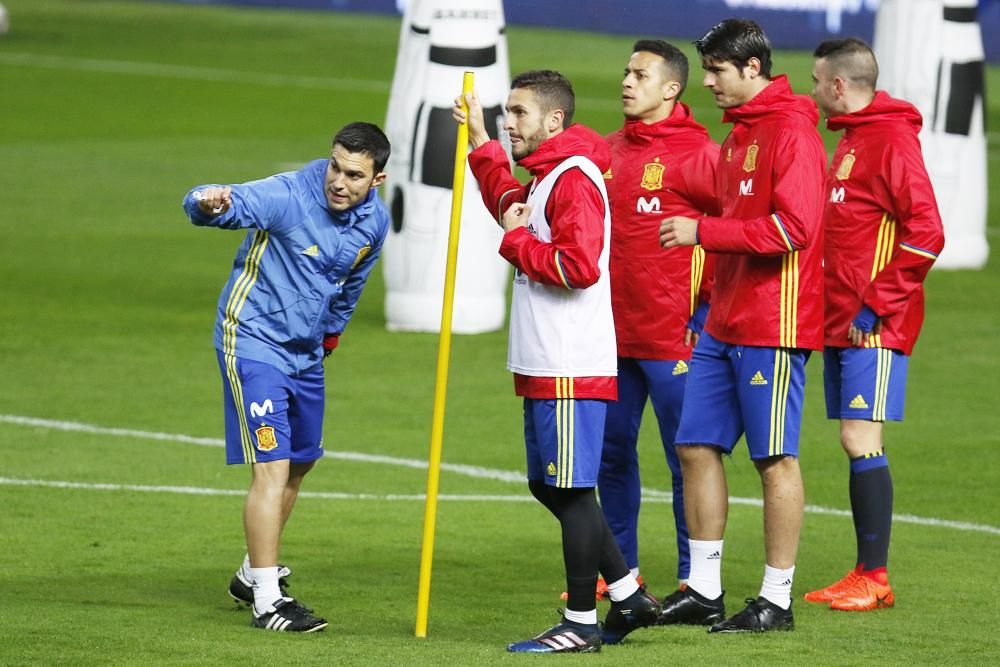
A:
(265, 438)
(750, 161)
(844, 170)
(361, 255)
(652, 176)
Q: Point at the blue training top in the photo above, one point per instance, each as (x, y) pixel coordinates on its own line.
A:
(299, 272)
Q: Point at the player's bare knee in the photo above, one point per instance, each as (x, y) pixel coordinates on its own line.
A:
(691, 454)
(859, 437)
(270, 475)
(776, 469)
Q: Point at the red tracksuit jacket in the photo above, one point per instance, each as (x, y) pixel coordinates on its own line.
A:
(575, 212)
(658, 170)
(768, 288)
(883, 229)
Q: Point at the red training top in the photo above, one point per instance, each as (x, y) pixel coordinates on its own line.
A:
(768, 288)
(883, 229)
(657, 171)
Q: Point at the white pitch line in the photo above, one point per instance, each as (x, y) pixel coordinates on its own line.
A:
(203, 491)
(418, 464)
(649, 495)
(199, 73)
(190, 72)
(656, 498)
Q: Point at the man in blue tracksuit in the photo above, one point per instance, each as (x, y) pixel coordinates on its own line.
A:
(314, 235)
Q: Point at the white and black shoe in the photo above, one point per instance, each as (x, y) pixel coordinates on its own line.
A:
(287, 615)
(566, 637)
(241, 589)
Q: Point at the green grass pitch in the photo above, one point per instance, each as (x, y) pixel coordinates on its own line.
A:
(109, 112)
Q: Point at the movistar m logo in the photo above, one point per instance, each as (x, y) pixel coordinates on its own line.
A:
(257, 410)
(837, 195)
(652, 205)
(746, 187)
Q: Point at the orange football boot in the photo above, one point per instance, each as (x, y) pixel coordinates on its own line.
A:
(834, 590)
(865, 594)
(602, 589)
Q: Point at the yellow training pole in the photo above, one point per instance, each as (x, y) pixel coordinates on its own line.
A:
(441, 387)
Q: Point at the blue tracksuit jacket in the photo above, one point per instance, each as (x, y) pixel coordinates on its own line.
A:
(299, 272)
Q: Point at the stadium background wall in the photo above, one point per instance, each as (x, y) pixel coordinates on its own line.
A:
(688, 19)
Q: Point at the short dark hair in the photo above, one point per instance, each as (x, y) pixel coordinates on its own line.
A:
(365, 138)
(736, 41)
(852, 59)
(676, 62)
(552, 90)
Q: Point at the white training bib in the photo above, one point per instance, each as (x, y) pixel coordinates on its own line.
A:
(555, 331)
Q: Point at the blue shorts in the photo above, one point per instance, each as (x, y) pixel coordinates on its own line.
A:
(737, 389)
(864, 383)
(273, 416)
(563, 439)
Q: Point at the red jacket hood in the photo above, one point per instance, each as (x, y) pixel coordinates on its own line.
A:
(777, 97)
(883, 108)
(575, 140)
(679, 120)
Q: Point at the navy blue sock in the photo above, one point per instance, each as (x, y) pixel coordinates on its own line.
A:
(871, 506)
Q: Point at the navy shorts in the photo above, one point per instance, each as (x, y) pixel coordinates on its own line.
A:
(737, 389)
(563, 439)
(271, 416)
(864, 383)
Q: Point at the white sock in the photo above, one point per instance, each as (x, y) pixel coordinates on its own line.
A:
(583, 617)
(777, 586)
(706, 568)
(265, 588)
(635, 572)
(245, 568)
(623, 588)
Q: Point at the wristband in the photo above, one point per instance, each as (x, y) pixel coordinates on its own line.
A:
(698, 318)
(865, 319)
